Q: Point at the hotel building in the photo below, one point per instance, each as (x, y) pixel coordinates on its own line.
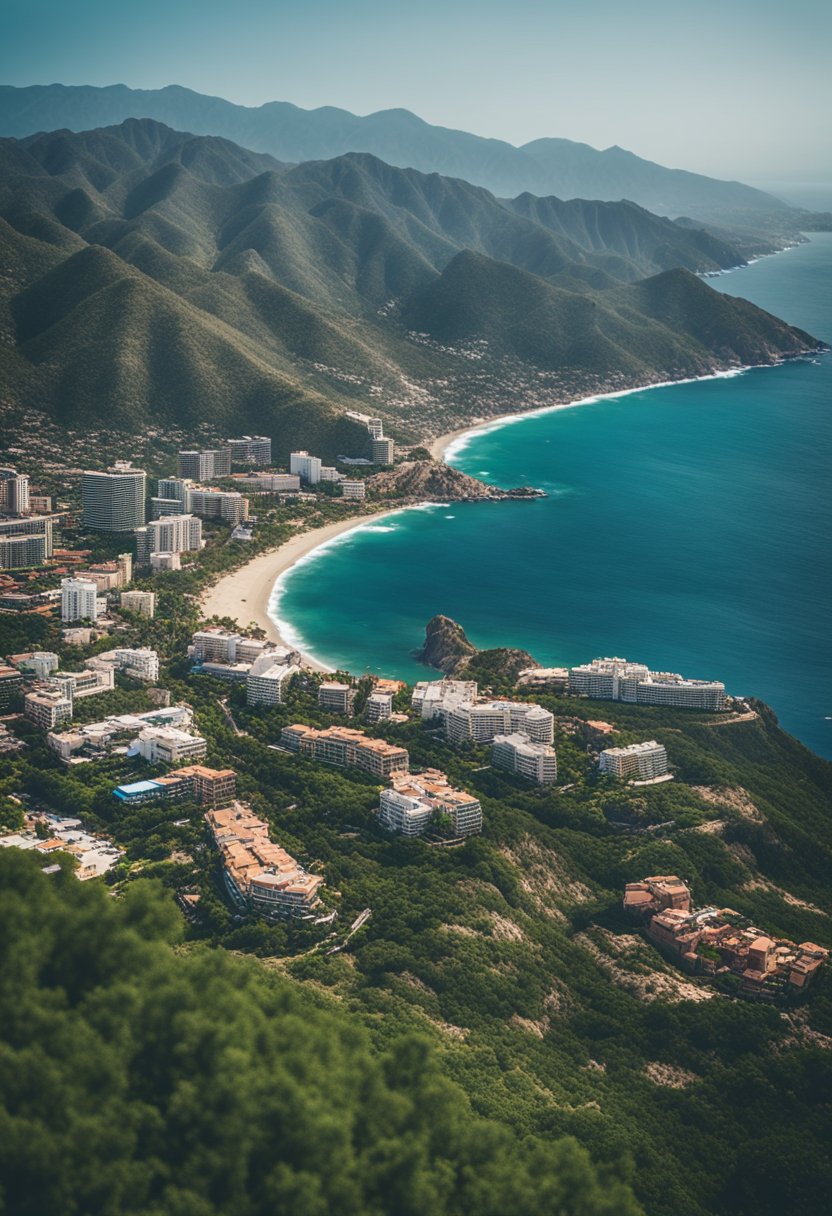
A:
(14, 492)
(259, 874)
(643, 761)
(346, 748)
(415, 800)
(79, 599)
(204, 465)
(254, 451)
(353, 490)
(228, 505)
(481, 721)
(620, 680)
(143, 603)
(268, 680)
(34, 528)
(22, 552)
(516, 753)
(171, 534)
(48, 706)
(379, 706)
(307, 467)
(382, 451)
(335, 697)
(168, 745)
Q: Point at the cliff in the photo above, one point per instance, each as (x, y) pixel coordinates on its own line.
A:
(422, 480)
(448, 649)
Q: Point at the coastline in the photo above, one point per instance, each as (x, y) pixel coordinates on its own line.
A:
(245, 594)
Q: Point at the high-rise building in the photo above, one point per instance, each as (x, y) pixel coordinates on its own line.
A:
(171, 534)
(307, 467)
(379, 706)
(30, 526)
(141, 602)
(643, 761)
(114, 500)
(255, 451)
(481, 721)
(204, 465)
(14, 492)
(516, 753)
(22, 552)
(47, 706)
(159, 507)
(124, 561)
(355, 490)
(218, 504)
(382, 451)
(176, 488)
(79, 599)
(268, 681)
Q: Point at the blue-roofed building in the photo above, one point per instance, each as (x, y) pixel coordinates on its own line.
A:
(139, 791)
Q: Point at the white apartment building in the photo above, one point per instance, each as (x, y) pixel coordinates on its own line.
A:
(619, 680)
(14, 492)
(114, 499)
(268, 681)
(307, 467)
(642, 761)
(204, 465)
(168, 745)
(516, 753)
(432, 697)
(165, 561)
(335, 697)
(228, 505)
(141, 602)
(255, 451)
(140, 663)
(79, 599)
(354, 490)
(480, 721)
(79, 684)
(404, 813)
(379, 706)
(271, 483)
(171, 534)
(48, 706)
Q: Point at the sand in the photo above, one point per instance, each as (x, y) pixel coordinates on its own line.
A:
(244, 594)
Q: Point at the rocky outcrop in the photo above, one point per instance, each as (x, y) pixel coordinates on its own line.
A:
(448, 649)
(423, 480)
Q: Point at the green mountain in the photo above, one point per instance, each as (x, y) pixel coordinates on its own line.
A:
(160, 278)
(543, 167)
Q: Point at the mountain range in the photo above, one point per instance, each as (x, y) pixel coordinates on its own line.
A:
(154, 277)
(558, 167)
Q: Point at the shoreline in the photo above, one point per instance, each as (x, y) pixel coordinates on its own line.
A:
(246, 594)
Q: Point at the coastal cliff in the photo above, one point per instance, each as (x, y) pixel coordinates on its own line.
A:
(448, 649)
(423, 480)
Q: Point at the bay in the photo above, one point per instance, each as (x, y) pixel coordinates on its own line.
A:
(686, 527)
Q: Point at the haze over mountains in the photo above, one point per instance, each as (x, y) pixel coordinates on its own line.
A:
(154, 276)
(543, 167)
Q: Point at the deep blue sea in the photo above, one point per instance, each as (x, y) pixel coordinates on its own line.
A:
(686, 527)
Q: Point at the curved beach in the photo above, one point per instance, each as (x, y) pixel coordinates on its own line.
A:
(245, 593)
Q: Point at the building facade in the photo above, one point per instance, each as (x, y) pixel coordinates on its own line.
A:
(642, 761)
(114, 500)
(79, 599)
(516, 753)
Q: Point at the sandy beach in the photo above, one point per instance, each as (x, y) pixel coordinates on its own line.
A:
(244, 594)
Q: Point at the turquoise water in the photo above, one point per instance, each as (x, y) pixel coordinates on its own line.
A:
(686, 527)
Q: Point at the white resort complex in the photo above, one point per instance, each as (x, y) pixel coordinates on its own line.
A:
(642, 761)
(620, 680)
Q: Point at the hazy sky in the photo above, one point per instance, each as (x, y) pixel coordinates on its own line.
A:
(728, 87)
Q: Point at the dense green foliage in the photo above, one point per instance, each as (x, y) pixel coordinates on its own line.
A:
(138, 1079)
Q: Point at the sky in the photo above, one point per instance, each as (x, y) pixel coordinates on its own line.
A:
(732, 88)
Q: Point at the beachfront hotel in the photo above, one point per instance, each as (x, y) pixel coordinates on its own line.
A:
(642, 761)
(347, 748)
(171, 534)
(414, 801)
(204, 465)
(335, 697)
(481, 721)
(269, 678)
(260, 875)
(356, 491)
(516, 753)
(619, 680)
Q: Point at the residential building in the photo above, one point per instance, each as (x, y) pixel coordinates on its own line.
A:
(11, 685)
(228, 505)
(335, 697)
(656, 894)
(124, 561)
(642, 761)
(354, 490)
(382, 451)
(375, 426)
(94, 739)
(143, 603)
(379, 706)
(40, 503)
(14, 492)
(29, 527)
(168, 745)
(37, 663)
(253, 451)
(432, 698)
(47, 706)
(88, 683)
(139, 663)
(165, 561)
(619, 680)
(23, 552)
(269, 483)
(516, 753)
(92, 855)
(480, 721)
(160, 507)
(171, 534)
(175, 489)
(307, 467)
(330, 473)
(79, 599)
(114, 500)
(207, 786)
(260, 875)
(347, 748)
(432, 790)
(268, 680)
(204, 465)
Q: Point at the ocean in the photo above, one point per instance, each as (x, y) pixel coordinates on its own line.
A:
(687, 527)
